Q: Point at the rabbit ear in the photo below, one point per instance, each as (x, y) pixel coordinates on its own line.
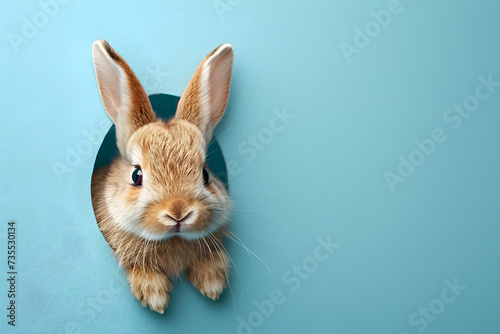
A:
(205, 99)
(122, 95)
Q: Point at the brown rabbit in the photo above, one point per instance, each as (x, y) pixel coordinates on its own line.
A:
(157, 204)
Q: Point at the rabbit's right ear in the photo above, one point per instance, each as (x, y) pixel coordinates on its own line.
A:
(122, 95)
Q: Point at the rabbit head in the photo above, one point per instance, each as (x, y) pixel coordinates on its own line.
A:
(159, 186)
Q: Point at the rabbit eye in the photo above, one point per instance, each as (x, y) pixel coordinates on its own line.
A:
(137, 177)
(206, 176)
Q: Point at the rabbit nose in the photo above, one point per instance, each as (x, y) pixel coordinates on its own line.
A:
(179, 219)
(178, 210)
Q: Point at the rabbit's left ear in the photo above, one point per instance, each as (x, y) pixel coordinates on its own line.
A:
(205, 99)
(122, 95)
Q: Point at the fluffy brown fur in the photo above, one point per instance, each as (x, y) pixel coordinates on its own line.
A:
(173, 222)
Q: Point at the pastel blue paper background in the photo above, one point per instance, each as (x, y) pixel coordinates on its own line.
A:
(321, 175)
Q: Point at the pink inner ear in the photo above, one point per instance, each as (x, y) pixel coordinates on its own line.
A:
(220, 67)
(116, 85)
(112, 81)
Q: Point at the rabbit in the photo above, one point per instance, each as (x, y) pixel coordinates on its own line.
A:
(158, 206)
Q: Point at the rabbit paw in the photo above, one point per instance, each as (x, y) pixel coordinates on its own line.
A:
(151, 289)
(210, 280)
(212, 289)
